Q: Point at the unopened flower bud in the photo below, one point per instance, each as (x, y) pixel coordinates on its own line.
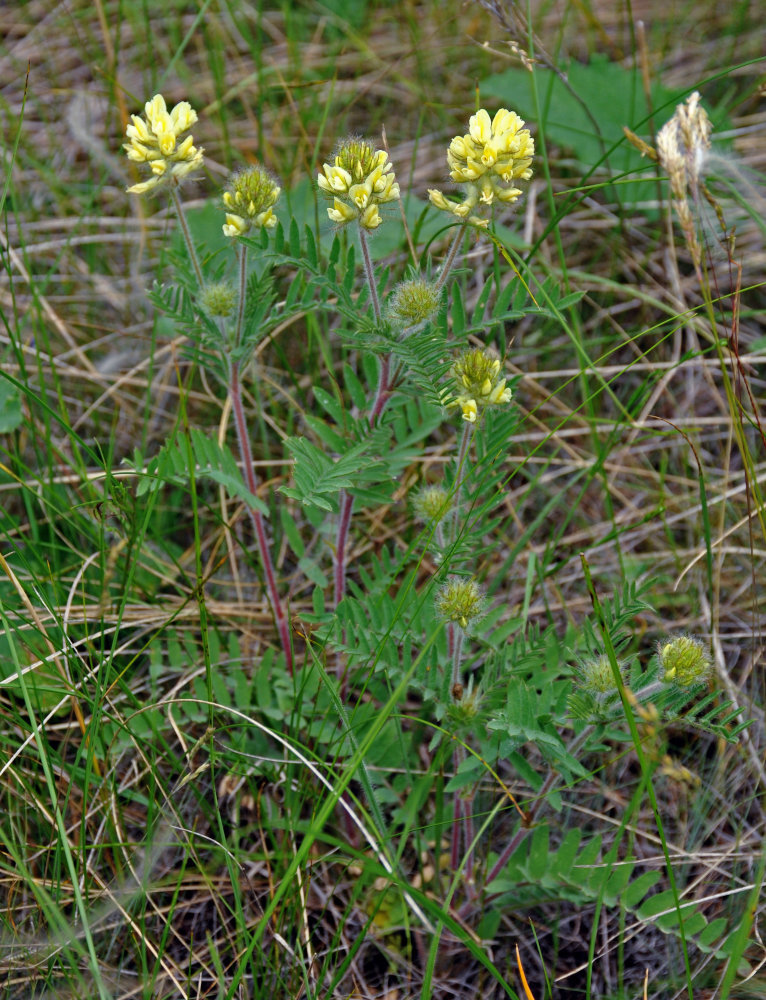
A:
(460, 601)
(218, 299)
(465, 706)
(414, 302)
(432, 503)
(684, 661)
(597, 676)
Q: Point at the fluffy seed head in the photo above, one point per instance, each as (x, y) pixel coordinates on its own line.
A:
(431, 503)
(597, 676)
(414, 302)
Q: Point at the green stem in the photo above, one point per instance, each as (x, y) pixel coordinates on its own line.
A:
(242, 259)
(186, 234)
(370, 275)
(449, 260)
(465, 440)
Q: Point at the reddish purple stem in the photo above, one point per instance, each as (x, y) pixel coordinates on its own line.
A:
(259, 525)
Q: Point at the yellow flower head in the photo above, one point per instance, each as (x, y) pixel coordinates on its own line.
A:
(155, 140)
(360, 179)
(252, 194)
(479, 384)
(487, 160)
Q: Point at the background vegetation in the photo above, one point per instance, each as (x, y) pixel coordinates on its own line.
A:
(159, 835)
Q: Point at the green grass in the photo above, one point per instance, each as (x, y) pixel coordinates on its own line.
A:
(183, 815)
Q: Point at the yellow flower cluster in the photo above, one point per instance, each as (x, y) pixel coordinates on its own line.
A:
(494, 153)
(361, 179)
(251, 196)
(155, 140)
(476, 375)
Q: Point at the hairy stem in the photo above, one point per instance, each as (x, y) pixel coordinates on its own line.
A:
(465, 440)
(242, 258)
(381, 397)
(449, 260)
(256, 517)
(186, 234)
(370, 274)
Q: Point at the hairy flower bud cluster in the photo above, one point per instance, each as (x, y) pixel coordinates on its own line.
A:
(361, 179)
(251, 195)
(218, 299)
(684, 661)
(155, 141)
(487, 160)
(479, 384)
(413, 303)
(432, 503)
(460, 601)
(597, 676)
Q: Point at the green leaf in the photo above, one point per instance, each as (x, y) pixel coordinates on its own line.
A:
(618, 879)
(330, 404)
(638, 889)
(319, 479)
(292, 534)
(355, 388)
(712, 933)
(10, 407)
(312, 572)
(565, 856)
(538, 861)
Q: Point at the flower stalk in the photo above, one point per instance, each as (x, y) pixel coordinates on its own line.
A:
(256, 517)
(186, 232)
(358, 182)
